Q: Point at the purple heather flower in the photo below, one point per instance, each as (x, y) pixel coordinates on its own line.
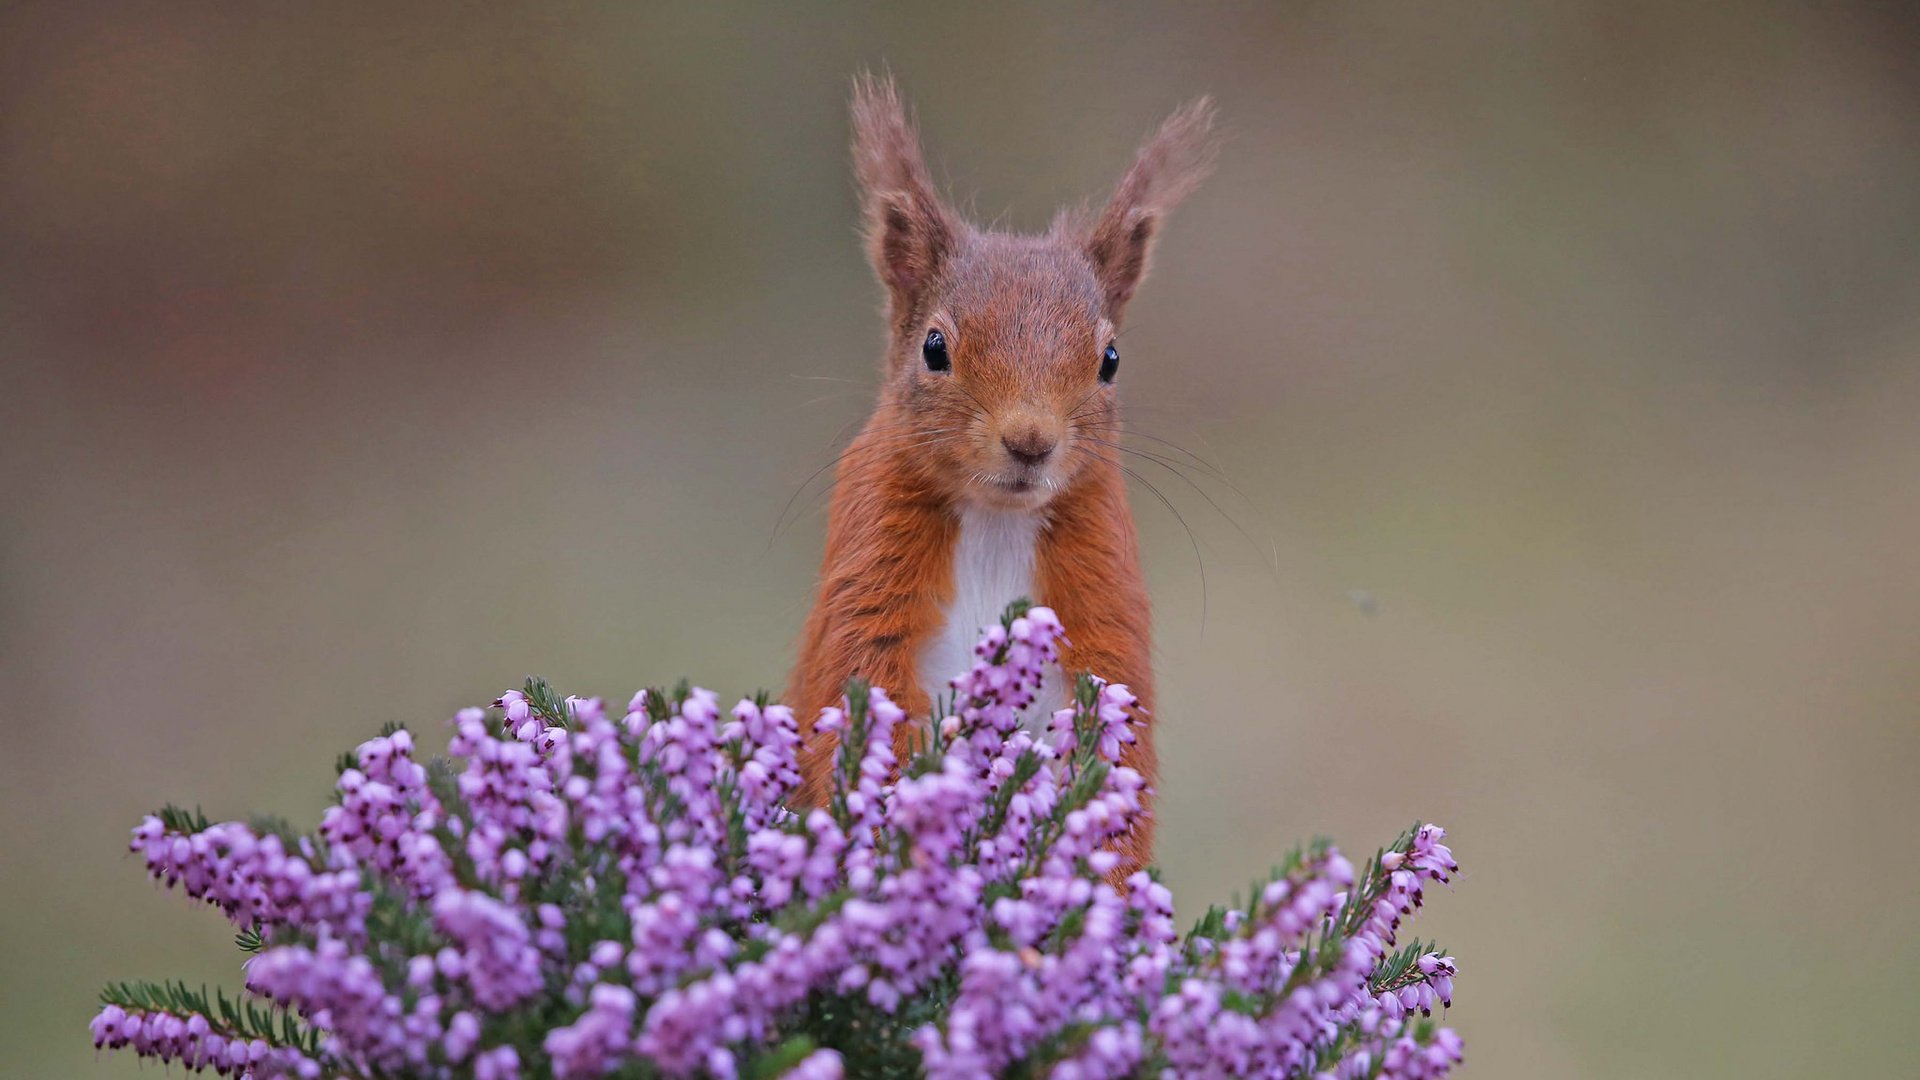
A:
(499, 1063)
(597, 1042)
(644, 883)
(819, 1065)
(495, 948)
(463, 1031)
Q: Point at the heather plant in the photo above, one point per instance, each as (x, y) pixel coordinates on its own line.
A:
(574, 893)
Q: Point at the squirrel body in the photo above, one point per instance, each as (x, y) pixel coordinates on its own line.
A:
(988, 470)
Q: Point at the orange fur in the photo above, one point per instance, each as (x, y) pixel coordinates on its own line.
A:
(1020, 420)
(1089, 573)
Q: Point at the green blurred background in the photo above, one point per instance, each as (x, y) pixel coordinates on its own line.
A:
(1565, 358)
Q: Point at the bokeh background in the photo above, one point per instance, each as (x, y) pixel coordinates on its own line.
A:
(1564, 360)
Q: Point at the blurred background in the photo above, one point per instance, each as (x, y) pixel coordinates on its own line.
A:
(1565, 364)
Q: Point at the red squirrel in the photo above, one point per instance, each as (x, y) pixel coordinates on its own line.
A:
(986, 472)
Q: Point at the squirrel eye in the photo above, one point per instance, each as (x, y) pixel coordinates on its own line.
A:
(1109, 363)
(935, 352)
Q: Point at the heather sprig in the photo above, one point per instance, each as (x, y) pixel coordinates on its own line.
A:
(578, 894)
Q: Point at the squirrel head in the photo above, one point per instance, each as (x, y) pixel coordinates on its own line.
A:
(1002, 359)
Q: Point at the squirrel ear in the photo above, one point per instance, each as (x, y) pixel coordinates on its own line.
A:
(910, 231)
(1168, 166)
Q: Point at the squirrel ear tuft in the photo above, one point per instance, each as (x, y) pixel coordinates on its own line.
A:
(910, 231)
(1167, 168)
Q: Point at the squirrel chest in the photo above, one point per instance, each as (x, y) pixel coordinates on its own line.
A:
(993, 565)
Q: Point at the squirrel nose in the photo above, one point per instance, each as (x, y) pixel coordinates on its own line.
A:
(1029, 447)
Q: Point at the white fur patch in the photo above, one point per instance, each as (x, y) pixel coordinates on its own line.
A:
(993, 565)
